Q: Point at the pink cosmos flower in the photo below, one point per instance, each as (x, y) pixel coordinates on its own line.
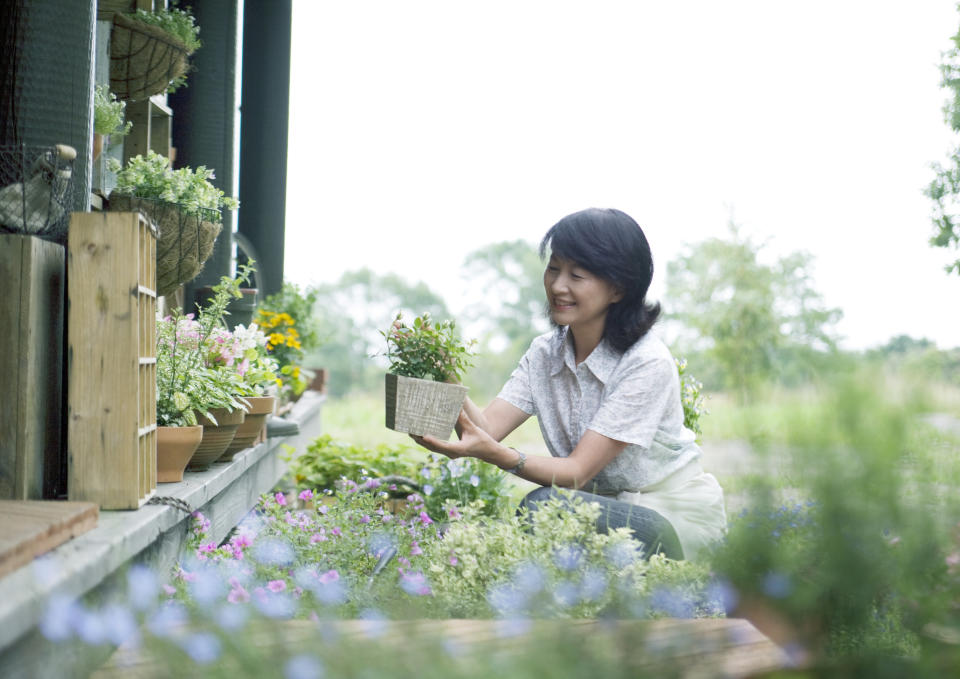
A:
(328, 577)
(335, 531)
(238, 595)
(209, 547)
(424, 519)
(276, 585)
(281, 500)
(306, 495)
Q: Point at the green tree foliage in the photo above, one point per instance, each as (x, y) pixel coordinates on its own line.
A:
(945, 187)
(350, 314)
(752, 321)
(510, 276)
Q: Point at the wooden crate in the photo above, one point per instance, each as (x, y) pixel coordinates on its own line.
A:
(111, 359)
(31, 332)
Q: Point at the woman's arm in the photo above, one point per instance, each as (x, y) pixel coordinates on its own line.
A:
(498, 419)
(593, 453)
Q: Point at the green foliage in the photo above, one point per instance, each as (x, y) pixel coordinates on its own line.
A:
(750, 319)
(109, 113)
(153, 178)
(945, 186)
(691, 396)
(287, 318)
(464, 481)
(326, 461)
(854, 564)
(177, 22)
(193, 375)
(427, 350)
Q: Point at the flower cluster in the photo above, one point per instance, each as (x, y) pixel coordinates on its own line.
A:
(286, 320)
(426, 350)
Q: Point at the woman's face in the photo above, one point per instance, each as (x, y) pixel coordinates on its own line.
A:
(577, 297)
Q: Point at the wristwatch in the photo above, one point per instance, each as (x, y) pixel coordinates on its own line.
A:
(517, 468)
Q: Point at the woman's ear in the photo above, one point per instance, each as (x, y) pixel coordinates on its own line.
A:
(618, 294)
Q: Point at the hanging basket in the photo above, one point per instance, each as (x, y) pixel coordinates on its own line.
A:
(144, 59)
(36, 190)
(185, 241)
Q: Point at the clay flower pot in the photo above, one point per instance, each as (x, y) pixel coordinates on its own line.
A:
(175, 447)
(253, 424)
(216, 437)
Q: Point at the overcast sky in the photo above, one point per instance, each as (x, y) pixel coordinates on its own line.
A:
(423, 130)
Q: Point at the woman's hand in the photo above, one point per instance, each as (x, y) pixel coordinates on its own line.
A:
(474, 441)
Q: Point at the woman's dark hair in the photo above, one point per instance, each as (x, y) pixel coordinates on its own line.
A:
(610, 244)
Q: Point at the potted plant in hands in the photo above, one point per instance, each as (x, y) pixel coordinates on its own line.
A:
(108, 118)
(427, 360)
(183, 204)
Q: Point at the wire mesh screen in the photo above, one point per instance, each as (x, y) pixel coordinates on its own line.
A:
(46, 87)
(144, 59)
(185, 239)
(36, 190)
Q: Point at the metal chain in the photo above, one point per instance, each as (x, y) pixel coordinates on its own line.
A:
(171, 502)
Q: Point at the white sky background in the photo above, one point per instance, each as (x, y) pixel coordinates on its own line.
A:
(422, 130)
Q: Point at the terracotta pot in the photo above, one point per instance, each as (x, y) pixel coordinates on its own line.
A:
(216, 437)
(98, 142)
(175, 447)
(255, 421)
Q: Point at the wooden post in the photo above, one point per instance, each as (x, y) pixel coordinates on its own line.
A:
(31, 334)
(111, 356)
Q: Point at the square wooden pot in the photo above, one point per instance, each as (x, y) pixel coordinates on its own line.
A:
(422, 407)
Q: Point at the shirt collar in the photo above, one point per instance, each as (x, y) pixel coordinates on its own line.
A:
(601, 361)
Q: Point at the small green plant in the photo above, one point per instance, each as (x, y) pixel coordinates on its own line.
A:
(426, 350)
(152, 177)
(691, 395)
(109, 113)
(464, 480)
(176, 22)
(326, 461)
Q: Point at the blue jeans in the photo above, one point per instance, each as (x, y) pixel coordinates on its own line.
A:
(647, 526)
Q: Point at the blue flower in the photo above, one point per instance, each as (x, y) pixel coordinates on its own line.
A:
(777, 585)
(568, 557)
(593, 585)
(427, 489)
(671, 601)
(273, 552)
(303, 666)
(202, 647)
(474, 480)
(142, 587)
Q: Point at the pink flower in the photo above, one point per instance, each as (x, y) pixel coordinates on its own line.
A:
(365, 519)
(306, 495)
(415, 549)
(323, 509)
(281, 500)
(453, 559)
(424, 519)
(328, 577)
(170, 590)
(238, 595)
(241, 540)
(404, 561)
(454, 513)
(276, 585)
(335, 531)
(186, 576)
(209, 547)
(317, 537)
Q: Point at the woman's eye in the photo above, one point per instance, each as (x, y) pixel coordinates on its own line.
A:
(577, 276)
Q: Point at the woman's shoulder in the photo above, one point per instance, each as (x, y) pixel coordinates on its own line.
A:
(650, 351)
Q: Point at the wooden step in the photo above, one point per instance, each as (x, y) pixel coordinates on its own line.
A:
(29, 528)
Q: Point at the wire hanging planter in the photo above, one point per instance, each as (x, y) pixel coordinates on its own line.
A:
(186, 237)
(144, 59)
(36, 190)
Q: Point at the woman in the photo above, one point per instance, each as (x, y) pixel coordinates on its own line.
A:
(606, 394)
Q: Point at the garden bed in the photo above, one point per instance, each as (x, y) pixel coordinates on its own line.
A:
(153, 534)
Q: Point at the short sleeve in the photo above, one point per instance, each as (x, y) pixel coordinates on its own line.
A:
(517, 391)
(633, 405)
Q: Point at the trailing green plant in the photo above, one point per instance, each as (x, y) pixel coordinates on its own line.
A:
(109, 113)
(427, 350)
(326, 461)
(691, 396)
(152, 177)
(177, 22)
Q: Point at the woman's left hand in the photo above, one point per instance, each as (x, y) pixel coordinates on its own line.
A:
(474, 441)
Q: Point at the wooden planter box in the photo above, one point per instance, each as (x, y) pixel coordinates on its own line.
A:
(422, 407)
(111, 357)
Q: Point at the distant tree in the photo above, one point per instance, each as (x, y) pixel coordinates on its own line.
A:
(944, 190)
(754, 322)
(351, 312)
(512, 310)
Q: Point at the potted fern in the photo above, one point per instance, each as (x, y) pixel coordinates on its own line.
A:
(185, 206)
(427, 361)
